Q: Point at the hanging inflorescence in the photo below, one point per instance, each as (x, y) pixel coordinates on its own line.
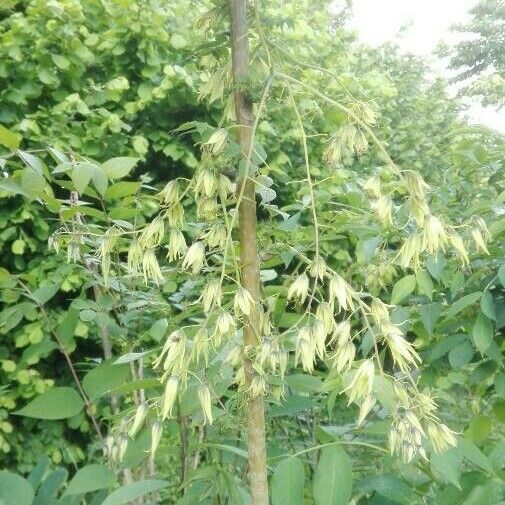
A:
(335, 317)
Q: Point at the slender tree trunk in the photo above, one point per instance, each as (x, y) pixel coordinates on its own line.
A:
(250, 277)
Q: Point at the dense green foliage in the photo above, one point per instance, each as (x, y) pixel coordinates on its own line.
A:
(82, 77)
(479, 57)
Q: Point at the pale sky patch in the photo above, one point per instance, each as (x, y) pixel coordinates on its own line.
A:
(418, 26)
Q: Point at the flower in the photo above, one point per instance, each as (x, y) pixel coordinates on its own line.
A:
(176, 245)
(299, 289)
(194, 258)
(243, 302)
(169, 396)
(457, 242)
(362, 382)
(372, 186)
(434, 234)
(205, 402)
(211, 295)
(140, 415)
(156, 432)
(305, 349)
(170, 193)
(318, 268)
(341, 291)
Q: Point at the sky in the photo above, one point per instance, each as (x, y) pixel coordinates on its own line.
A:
(428, 22)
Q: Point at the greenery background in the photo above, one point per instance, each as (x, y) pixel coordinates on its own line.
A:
(115, 78)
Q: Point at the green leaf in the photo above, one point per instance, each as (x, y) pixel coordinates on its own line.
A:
(60, 61)
(117, 168)
(424, 284)
(150, 383)
(12, 187)
(18, 246)
(158, 329)
(461, 355)
(365, 249)
(57, 403)
(32, 161)
(177, 41)
(473, 454)
(462, 304)
(482, 332)
(130, 492)
(105, 377)
(288, 482)
(131, 356)
(100, 180)
(436, 265)
(485, 493)
(33, 183)
(291, 406)
(333, 477)
(389, 486)
(429, 315)
(501, 275)
(487, 305)
(478, 429)
(14, 490)
(122, 189)
(81, 175)
(45, 292)
(50, 486)
(499, 384)
(39, 471)
(137, 449)
(303, 383)
(9, 139)
(91, 478)
(447, 465)
(403, 288)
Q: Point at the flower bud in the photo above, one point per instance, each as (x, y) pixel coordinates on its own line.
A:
(318, 268)
(169, 396)
(372, 186)
(225, 323)
(458, 244)
(243, 302)
(175, 215)
(341, 291)
(138, 420)
(176, 245)
(217, 141)
(299, 289)
(434, 234)
(366, 406)
(205, 402)
(211, 295)
(362, 382)
(170, 193)
(156, 432)
(479, 240)
(305, 349)
(216, 235)
(122, 446)
(324, 313)
(194, 258)
(383, 207)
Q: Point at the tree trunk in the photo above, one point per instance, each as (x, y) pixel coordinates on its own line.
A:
(250, 277)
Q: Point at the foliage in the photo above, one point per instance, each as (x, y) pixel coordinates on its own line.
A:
(452, 312)
(90, 484)
(479, 56)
